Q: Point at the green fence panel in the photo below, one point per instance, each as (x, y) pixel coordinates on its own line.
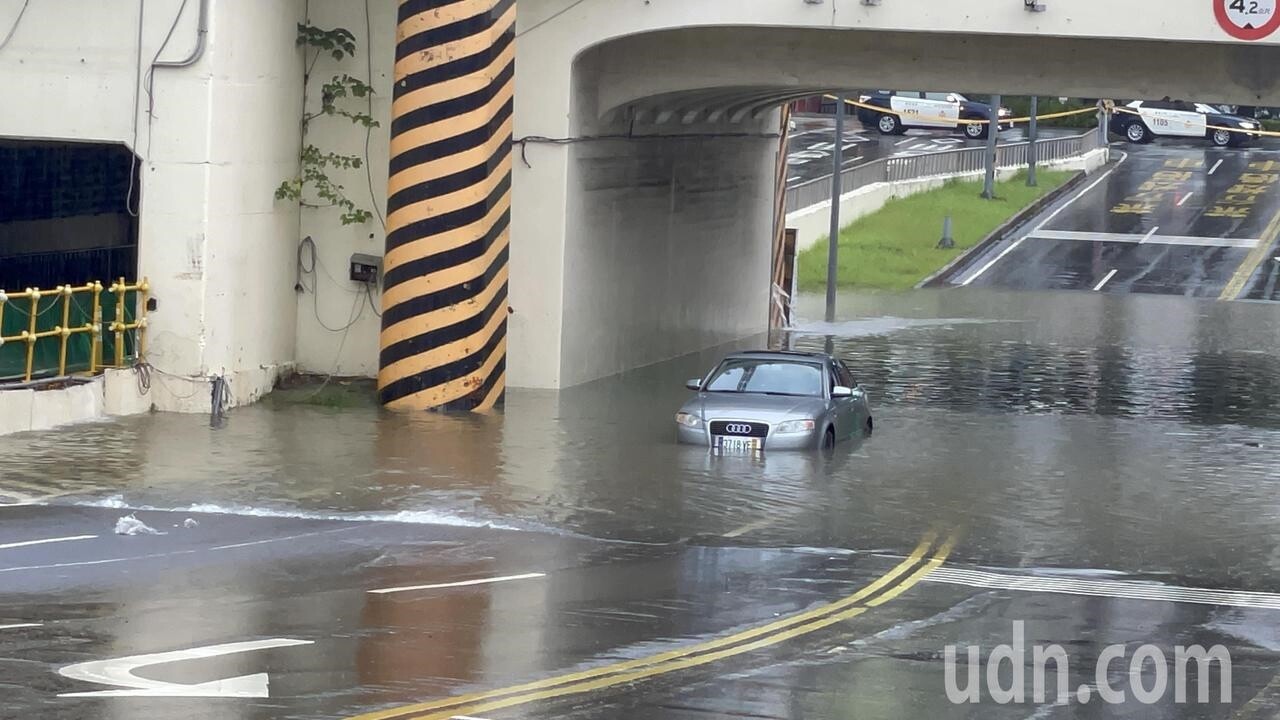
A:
(17, 318)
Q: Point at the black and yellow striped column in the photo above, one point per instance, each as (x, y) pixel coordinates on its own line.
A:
(444, 301)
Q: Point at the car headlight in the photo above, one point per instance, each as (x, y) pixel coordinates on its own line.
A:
(1248, 125)
(1005, 112)
(689, 420)
(795, 426)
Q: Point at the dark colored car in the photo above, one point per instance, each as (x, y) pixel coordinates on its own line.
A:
(774, 400)
(1141, 121)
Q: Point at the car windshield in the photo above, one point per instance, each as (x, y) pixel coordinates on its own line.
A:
(771, 377)
(1207, 109)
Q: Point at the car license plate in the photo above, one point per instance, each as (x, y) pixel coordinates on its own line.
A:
(737, 444)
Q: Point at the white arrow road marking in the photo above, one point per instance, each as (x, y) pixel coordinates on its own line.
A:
(46, 541)
(463, 583)
(20, 625)
(120, 672)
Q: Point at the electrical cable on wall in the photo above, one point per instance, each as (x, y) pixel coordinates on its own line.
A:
(137, 92)
(368, 130)
(543, 140)
(562, 11)
(14, 28)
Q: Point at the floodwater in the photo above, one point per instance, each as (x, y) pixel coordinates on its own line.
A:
(1139, 434)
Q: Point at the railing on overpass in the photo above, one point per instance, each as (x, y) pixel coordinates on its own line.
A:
(947, 163)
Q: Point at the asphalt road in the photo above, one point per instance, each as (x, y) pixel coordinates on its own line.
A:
(813, 141)
(259, 617)
(1167, 218)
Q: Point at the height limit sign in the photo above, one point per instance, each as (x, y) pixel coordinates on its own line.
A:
(1247, 19)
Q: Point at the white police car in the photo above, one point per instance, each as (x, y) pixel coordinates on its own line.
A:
(1149, 119)
(928, 110)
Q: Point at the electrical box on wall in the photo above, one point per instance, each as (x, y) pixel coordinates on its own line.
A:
(365, 268)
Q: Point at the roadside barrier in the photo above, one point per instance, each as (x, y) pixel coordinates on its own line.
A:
(944, 163)
(37, 342)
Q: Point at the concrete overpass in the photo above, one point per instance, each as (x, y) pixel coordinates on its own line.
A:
(661, 244)
(640, 180)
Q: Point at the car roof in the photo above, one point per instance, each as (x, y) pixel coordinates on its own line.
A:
(796, 355)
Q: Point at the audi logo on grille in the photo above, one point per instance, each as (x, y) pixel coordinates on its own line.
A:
(737, 429)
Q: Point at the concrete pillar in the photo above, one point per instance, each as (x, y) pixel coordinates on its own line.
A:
(444, 301)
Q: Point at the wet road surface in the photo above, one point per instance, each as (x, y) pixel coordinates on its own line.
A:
(1102, 467)
(1177, 219)
(812, 142)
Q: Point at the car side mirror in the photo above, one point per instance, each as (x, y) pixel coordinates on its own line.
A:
(952, 99)
(694, 384)
(841, 391)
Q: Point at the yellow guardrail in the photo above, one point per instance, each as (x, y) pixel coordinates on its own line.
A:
(64, 331)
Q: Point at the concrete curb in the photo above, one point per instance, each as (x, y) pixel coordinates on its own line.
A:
(943, 276)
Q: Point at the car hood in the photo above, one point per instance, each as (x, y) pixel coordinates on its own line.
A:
(748, 406)
(1224, 119)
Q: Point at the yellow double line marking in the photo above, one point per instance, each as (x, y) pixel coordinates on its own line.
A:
(885, 588)
(1252, 261)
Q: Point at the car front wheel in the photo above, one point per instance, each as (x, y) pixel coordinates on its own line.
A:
(869, 427)
(890, 125)
(976, 131)
(1220, 138)
(829, 439)
(1137, 133)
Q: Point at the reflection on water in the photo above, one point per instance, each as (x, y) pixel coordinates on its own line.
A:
(1135, 433)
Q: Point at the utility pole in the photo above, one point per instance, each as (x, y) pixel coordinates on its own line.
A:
(993, 130)
(1032, 137)
(833, 241)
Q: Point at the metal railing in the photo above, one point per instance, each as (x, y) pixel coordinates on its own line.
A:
(948, 163)
(31, 324)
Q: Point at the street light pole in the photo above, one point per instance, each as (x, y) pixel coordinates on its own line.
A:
(993, 130)
(833, 240)
(1032, 137)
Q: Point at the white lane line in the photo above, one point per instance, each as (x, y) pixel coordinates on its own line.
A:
(28, 543)
(466, 717)
(1185, 198)
(748, 528)
(1215, 167)
(1147, 239)
(20, 625)
(1082, 193)
(1105, 280)
(462, 583)
(1125, 589)
(1148, 235)
(900, 143)
(793, 179)
(175, 553)
(993, 261)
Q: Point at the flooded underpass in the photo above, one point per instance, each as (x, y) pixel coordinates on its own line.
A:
(1097, 444)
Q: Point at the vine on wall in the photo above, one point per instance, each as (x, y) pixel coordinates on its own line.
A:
(313, 187)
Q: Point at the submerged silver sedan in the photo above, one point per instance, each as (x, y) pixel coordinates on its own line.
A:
(775, 400)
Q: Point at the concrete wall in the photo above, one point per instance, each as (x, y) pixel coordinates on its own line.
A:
(215, 139)
(116, 392)
(323, 318)
(667, 250)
